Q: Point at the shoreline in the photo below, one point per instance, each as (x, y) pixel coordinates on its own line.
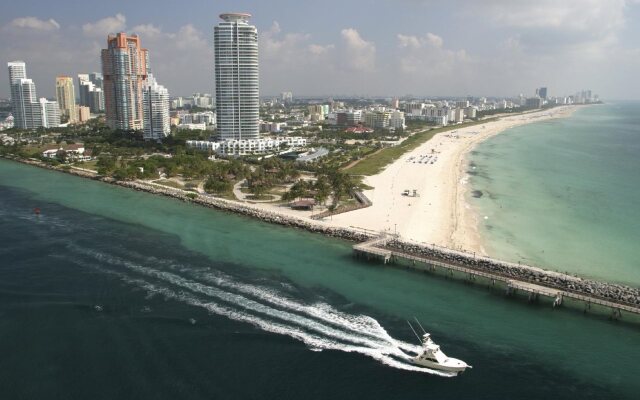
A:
(623, 294)
(466, 230)
(439, 214)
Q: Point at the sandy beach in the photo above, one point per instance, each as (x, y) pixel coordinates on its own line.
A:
(439, 214)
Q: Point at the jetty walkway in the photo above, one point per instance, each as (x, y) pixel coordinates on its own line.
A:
(533, 281)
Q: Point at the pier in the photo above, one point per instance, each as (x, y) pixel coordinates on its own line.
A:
(378, 249)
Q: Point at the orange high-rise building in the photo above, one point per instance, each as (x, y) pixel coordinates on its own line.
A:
(125, 68)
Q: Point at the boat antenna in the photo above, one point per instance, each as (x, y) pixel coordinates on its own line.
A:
(414, 331)
(420, 325)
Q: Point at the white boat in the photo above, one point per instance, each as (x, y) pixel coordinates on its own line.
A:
(431, 356)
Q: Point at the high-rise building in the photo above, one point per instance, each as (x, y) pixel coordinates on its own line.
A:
(50, 113)
(156, 110)
(66, 96)
(90, 87)
(124, 69)
(286, 97)
(542, 93)
(24, 101)
(236, 75)
(83, 114)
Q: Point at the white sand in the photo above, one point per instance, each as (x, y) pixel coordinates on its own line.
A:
(441, 214)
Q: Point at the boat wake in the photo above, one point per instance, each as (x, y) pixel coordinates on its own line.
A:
(319, 325)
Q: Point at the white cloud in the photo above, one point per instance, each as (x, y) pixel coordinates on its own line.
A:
(105, 26)
(360, 54)
(431, 67)
(415, 42)
(147, 30)
(319, 50)
(34, 24)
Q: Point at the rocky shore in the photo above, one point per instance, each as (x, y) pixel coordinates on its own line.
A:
(606, 291)
(603, 290)
(211, 202)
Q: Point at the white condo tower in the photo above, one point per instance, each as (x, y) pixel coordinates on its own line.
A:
(236, 76)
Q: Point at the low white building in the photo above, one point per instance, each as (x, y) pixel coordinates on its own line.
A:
(247, 146)
(192, 127)
(73, 152)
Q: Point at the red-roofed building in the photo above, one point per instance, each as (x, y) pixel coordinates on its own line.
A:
(359, 129)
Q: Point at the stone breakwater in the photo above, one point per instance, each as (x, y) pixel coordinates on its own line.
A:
(606, 291)
(211, 202)
(238, 208)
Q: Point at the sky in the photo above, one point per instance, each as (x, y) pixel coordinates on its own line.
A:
(421, 48)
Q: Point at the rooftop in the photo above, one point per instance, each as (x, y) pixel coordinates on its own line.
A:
(234, 17)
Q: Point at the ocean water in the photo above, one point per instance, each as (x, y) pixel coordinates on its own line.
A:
(565, 194)
(111, 293)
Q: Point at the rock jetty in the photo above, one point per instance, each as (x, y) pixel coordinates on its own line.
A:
(603, 290)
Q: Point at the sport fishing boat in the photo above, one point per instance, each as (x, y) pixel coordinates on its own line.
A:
(432, 357)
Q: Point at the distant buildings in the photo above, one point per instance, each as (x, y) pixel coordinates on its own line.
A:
(205, 117)
(29, 112)
(397, 120)
(318, 112)
(124, 68)
(66, 96)
(542, 93)
(534, 102)
(236, 77)
(90, 88)
(24, 104)
(346, 118)
(84, 114)
(376, 119)
(50, 113)
(155, 100)
(286, 97)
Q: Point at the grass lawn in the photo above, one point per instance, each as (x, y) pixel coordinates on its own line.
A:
(87, 165)
(376, 162)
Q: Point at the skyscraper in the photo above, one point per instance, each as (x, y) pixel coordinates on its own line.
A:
(25, 107)
(236, 75)
(91, 91)
(66, 96)
(50, 113)
(124, 69)
(542, 92)
(156, 110)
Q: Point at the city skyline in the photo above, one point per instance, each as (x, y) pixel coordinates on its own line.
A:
(423, 48)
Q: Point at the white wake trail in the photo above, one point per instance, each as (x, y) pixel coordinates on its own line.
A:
(326, 338)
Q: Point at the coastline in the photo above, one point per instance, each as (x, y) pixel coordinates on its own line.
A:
(622, 294)
(465, 230)
(441, 214)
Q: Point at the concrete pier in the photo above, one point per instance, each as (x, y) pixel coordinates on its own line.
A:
(377, 249)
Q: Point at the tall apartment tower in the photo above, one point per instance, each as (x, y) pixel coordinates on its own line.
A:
(235, 45)
(155, 97)
(66, 96)
(91, 91)
(124, 69)
(25, 107)
(50, 113)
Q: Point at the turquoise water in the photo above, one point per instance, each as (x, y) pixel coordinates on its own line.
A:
(565, 194)
(112, 293)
